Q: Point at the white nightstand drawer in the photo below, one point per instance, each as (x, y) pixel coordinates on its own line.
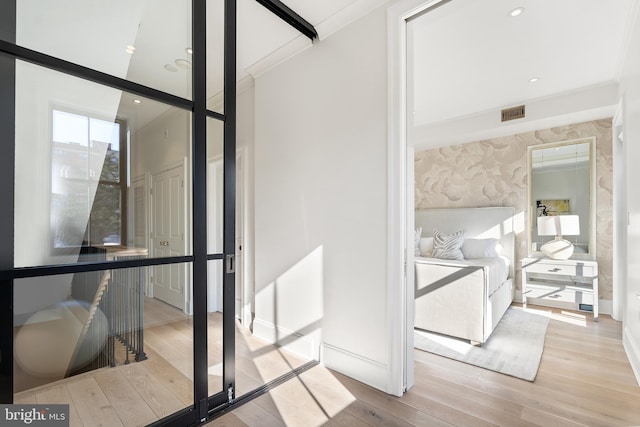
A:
(551, 293)
(577, 269)
(571, 284)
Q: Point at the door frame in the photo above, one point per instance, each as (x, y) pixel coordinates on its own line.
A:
(142, 181)
(620, 216)
(215, 287)
(400, 215)
(242, 197)
(242, 266)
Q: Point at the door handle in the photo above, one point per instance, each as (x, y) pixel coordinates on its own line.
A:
(230, 263)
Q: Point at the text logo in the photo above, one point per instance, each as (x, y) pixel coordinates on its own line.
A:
(34, 415)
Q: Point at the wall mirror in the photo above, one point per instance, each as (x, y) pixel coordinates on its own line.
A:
(562, 182)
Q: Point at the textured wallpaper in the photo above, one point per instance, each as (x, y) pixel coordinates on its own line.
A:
(494, 172)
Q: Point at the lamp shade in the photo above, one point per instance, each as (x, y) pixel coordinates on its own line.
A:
(568, 225)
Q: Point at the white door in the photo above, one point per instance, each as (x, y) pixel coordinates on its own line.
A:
(167, 234)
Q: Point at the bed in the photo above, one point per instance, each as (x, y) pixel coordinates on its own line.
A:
(467, 297)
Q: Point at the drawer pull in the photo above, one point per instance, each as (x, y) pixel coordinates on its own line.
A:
(554, 270)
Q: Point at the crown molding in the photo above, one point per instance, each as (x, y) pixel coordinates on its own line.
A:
(325, 29)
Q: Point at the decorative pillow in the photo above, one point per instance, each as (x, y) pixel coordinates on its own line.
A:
(479, 248)
(426, 246)
(447, 246)
(416, 241)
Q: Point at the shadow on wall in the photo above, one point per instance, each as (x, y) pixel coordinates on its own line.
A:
(289, 310)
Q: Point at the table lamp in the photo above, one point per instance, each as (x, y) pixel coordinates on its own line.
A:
(557, 225)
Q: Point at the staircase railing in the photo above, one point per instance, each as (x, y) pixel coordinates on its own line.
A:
(115, 304)
(125, 311)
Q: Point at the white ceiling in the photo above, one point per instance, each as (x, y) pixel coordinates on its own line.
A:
(469, 59)
(96, 34)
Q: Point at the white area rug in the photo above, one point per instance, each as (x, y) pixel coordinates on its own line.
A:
(514, 348)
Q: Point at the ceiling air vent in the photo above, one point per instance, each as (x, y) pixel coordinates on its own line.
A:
(513, 113)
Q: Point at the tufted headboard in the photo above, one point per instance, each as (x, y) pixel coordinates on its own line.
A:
(482, 223)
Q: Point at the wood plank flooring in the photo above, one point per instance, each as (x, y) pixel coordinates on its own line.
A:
(584, 380)
(140, 393)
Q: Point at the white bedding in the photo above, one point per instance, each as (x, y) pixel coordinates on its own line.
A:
(496, 269)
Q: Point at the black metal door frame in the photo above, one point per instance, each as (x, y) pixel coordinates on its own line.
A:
(204, 406)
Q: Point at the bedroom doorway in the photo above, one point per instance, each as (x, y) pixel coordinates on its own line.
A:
(403, 117)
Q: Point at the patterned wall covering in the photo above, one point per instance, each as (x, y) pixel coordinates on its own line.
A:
(494, 172)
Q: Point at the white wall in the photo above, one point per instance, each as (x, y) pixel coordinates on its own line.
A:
(630, 93)
(583, 105)
(163, 142)
(245, 144)
(320, 199)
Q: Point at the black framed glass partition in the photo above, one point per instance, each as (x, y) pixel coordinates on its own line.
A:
(118, 261)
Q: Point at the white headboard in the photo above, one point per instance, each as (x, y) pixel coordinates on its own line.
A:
(493, 222)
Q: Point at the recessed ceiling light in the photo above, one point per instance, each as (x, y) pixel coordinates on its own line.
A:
(189, 51)
(183, 63)
(130, 49)
(171, 67)
(517, 11)
(534, 79)
(137, 101)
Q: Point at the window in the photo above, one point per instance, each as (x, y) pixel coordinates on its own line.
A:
(88, 180)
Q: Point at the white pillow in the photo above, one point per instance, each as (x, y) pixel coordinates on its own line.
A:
(447, 246)
(426, 246)
(416, 241)
(479, 248)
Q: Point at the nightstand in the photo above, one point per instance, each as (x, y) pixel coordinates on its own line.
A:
(571, 283)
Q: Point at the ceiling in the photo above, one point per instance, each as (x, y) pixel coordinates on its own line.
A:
(97, 34)
(469, 59)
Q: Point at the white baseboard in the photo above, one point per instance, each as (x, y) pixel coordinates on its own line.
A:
(302, 345)
(633, 352)
(355, 366)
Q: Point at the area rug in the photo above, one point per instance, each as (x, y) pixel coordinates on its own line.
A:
(514, 348)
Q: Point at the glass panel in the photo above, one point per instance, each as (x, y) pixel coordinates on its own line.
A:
(215, 55)
(134, 351)
(97, 167)
(282, 336)
(215, 185)
(278, 305)
(214, 308)
(145, 41)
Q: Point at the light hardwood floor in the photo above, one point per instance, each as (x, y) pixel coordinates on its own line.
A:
(584, 380)
(140, 393)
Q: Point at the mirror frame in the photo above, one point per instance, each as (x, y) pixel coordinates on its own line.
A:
(591, 253)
